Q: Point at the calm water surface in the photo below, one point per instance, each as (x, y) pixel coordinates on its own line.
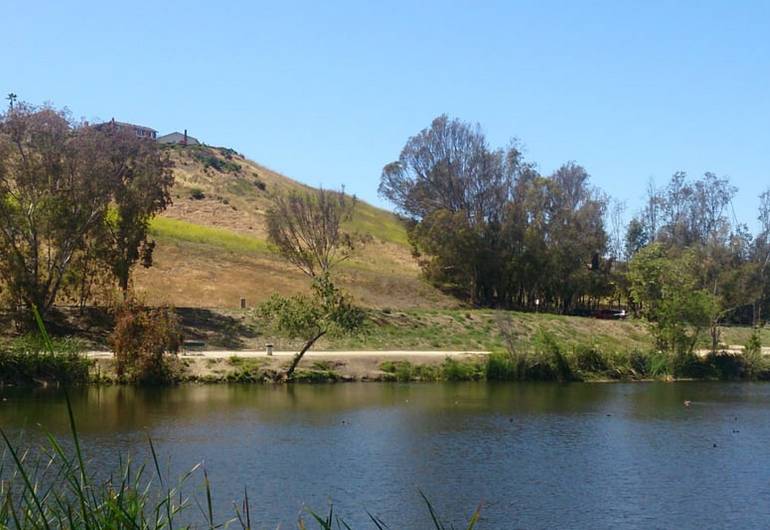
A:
(536, 456)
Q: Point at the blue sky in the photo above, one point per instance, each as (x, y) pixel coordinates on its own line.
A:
(328, 92)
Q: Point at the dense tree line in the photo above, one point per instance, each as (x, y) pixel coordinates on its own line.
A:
(75, 203)
(486, 225)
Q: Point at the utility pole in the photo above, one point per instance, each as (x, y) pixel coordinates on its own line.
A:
(11, 99)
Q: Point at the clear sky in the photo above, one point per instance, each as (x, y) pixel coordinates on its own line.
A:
(328, 92)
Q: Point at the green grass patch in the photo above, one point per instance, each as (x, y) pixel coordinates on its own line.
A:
(166, 228)
(378, 223)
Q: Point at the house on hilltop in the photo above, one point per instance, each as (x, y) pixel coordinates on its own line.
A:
(139, 130)
(178, 138)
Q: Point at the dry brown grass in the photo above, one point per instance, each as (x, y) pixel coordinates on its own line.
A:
(209, 271)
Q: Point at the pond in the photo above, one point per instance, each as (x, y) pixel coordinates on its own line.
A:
(534, 455)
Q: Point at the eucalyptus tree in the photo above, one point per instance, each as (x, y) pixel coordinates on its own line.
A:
(62, 185)
(454, 189)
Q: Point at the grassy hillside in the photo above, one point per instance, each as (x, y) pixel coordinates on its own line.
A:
(212, 247)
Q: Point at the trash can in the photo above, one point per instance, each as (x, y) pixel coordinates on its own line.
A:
(269, 348)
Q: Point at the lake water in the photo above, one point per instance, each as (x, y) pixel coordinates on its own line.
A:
(535, 455)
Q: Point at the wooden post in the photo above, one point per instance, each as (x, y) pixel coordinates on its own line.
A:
(243, 303)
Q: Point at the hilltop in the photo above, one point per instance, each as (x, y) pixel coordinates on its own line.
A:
(212, 248)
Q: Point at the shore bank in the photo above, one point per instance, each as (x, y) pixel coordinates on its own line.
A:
(316, 366)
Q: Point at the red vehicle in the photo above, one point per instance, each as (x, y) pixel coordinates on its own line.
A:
(610, 314)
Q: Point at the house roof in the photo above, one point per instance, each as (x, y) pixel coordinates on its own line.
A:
(124, 124)
(176, 135)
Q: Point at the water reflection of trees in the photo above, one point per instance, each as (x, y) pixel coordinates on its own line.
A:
(116, 409)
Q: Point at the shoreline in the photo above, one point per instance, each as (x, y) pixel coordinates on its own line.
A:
(253, 366)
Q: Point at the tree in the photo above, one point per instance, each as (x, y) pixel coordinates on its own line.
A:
(69, 195)
(666, 288)
(616, 239)
(306, 229)
(55, 187)
(327, 311)
(636, 237)
(142, 188)
(447, 178)
(11, 100)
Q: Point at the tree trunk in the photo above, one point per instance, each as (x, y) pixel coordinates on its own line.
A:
(714, 336)
(298, 357)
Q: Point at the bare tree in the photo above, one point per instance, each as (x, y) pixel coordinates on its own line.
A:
(306, 227)
(617, 229)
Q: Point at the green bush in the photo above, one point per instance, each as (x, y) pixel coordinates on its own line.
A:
(552, 362)
(29, 361)
(501, 367)
(755, 362)
(197, 194)
(639, 363)
(455, 370)
(404, 371)
(591, 360)
(210, 160)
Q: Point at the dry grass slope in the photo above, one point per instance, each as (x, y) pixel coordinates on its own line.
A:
(212, 247)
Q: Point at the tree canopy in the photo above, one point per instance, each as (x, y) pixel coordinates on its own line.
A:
(68, 192)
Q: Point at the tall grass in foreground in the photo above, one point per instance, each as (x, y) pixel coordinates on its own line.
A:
(54, 489)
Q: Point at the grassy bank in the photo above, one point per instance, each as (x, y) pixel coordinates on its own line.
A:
(524, 346)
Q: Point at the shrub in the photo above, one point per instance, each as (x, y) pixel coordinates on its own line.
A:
(142, 340)
(728, 365)
(552, 362)
(591, 360)
(197, 194)
(752, 355)
(659, 364)
(501, 367)
(639, 363)
(30, 361)
(454, 370)
(211, 160)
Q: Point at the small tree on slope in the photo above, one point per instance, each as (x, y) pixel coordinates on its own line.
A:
(327, 311)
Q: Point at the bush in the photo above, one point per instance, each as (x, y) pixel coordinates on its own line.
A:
(142, 340)
(29, 361)
(591, 360)
(454, 370)
(552, 362)
(404, 371)
(197, 194)
(211, 160)
(752, 355)
(639, 363)
(501, 367)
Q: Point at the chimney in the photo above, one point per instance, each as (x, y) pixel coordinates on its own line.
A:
(184, 142)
